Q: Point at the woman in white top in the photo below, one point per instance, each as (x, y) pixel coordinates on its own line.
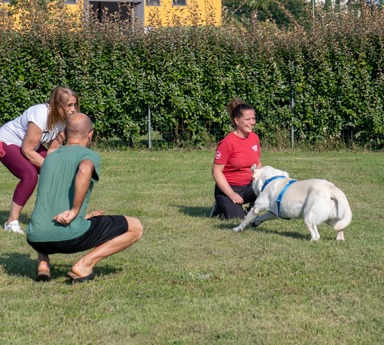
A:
(26, 141)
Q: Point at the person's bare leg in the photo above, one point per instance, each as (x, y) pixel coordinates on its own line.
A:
(14, 213)
(43, 262)
(85, 265)
(43, 270)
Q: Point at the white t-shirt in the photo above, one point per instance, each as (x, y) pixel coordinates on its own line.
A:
(13, 132)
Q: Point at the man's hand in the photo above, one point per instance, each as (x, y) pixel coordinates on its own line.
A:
(65, 217)
(94, 214)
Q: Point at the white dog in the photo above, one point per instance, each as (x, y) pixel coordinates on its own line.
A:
(315, 200)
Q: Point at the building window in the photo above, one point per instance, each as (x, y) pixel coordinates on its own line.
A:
(70, 2)
(152, 2)
(179, 2)
(109, 9)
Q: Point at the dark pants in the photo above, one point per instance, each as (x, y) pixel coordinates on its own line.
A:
(226, 209)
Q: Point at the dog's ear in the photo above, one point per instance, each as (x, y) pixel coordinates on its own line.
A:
(253, 167)
(257, 173)
(258, 181)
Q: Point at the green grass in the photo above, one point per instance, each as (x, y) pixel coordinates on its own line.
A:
(191, 280)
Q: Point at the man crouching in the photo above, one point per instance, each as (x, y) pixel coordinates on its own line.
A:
(59, 223)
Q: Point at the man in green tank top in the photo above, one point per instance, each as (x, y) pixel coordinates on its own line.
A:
(59, 223)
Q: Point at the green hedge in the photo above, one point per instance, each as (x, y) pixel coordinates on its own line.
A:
(187, 76)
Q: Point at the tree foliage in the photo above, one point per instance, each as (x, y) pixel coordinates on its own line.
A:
(331, 66)
(279, 12)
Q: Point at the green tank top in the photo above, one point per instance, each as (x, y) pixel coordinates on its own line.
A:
(55, 194)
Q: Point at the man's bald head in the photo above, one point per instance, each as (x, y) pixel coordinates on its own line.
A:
(78, 127)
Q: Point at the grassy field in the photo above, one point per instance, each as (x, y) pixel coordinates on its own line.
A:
(191, 280)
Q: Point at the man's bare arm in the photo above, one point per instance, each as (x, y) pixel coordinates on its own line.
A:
(82, 183)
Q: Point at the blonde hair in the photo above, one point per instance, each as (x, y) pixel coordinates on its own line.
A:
(57, 103)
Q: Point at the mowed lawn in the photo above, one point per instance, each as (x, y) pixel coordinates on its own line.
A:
(191, 280)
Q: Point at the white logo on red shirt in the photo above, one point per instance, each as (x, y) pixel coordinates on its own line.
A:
(255, 148)
(217, 155)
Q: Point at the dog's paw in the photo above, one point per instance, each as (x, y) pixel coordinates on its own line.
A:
(340, 236)
(315, 239)
(237, 229)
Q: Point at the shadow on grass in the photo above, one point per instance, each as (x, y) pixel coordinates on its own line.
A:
(229, 225)
(203, 212)
(22, 265)
(5, 214)
(17, 264)
(295, 235)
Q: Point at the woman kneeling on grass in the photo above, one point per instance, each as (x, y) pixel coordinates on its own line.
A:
(234, 156)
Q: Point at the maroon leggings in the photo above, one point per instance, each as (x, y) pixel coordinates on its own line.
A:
(23, 169)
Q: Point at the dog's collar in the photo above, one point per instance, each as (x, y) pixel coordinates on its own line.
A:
(270, 180)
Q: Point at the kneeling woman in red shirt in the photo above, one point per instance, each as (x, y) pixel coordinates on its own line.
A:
(234, 156)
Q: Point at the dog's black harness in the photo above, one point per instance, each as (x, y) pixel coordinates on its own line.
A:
(282, 191)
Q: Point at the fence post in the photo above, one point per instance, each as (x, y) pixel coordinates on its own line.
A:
(293, 104)
(149, 128)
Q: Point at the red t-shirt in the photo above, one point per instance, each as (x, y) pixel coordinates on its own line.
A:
(238, 155)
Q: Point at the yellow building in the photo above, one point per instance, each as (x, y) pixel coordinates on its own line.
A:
(182, 12)
(153, 13)
(157, 13)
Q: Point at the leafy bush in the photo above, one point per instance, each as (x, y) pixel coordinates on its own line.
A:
(186, 76)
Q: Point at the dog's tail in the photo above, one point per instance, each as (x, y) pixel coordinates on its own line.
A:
(344, 212)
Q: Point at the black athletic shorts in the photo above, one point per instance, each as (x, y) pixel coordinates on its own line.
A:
(102, 229)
